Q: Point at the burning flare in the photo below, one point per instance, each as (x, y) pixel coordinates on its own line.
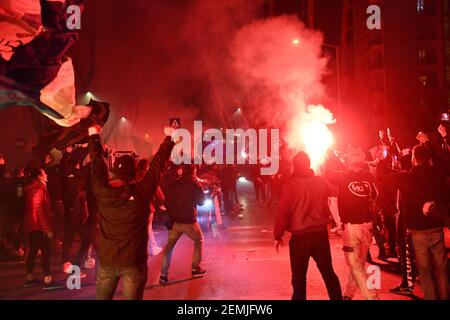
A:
(309, 132)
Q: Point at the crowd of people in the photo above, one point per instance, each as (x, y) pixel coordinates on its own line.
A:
(85, 193)
(399, 198)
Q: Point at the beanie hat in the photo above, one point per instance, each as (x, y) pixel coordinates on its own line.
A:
(125, 167)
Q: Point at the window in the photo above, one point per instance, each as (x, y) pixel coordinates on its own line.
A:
(428, 81)
(420, 6)
(425, 6)
(426, 56)
(422, 55)
(423, 80)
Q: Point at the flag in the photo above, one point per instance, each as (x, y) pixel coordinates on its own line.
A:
(12, 94)
(59, 137)
(33, 60)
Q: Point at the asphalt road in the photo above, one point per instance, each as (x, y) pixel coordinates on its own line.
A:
(242, 264)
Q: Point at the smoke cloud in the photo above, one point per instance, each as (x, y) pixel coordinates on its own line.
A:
(197, 60)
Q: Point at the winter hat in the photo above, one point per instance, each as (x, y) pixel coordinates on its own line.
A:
(125, 167)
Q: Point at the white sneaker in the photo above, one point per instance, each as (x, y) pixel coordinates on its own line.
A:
(155, 250)
(67, 267)
(89, 263)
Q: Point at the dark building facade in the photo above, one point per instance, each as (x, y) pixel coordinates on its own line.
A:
(399, 76)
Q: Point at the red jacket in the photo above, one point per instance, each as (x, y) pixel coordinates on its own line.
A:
(38, 210)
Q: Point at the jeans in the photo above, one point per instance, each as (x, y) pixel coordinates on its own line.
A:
(39, 241)
(405, 253)
(431, 260)
(70, 232)
(194, 232)
(389, 224)
(315, 245)
(357, 239)
(133, 278)
(151, 235)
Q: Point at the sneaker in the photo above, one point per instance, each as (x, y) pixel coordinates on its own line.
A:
(32, 283)
(163, 279)
(89, 263)
(52, 285)
(155, 250)
(402, 289)
(198, 272)
(67, 267)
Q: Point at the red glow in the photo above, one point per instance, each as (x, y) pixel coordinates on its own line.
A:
(310, 133)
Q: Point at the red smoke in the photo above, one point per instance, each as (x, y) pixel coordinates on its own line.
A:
(280, 65)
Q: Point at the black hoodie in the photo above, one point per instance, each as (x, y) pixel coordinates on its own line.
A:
(182, 199)
(124, 207)
(421, 184)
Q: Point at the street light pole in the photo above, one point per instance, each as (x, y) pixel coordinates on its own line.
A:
(338, 71)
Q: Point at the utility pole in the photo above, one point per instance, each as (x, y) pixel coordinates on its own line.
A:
(311, 14)
(338, 75)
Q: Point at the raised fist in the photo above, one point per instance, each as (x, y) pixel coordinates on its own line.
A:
(96, 129)
(443, 131)
(422, 137)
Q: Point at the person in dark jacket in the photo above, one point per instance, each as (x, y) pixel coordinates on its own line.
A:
(182, 199)
(38, 224)
(75, 212)
(424, 183)
(123, 217)
(304, 212)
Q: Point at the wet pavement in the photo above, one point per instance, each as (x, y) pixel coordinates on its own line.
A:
(242, 264)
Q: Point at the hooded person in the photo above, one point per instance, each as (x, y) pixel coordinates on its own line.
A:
(183, 197)
(304, 212)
